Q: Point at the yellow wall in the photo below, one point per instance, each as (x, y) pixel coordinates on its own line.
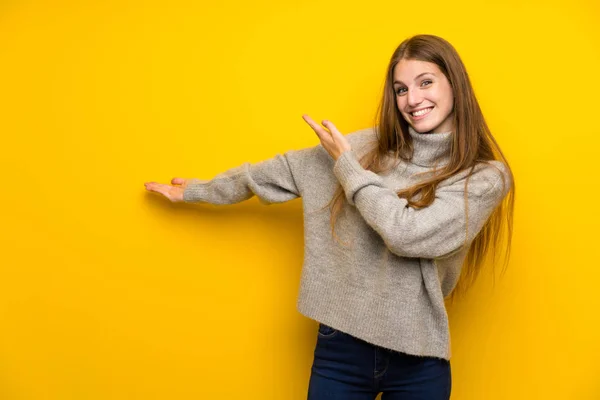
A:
(109, 292)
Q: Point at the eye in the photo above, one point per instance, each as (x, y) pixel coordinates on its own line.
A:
(398, 90)
(426, 81)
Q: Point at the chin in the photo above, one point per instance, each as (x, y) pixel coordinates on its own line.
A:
(425, 128)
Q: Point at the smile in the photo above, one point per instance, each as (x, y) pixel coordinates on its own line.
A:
(421, 113)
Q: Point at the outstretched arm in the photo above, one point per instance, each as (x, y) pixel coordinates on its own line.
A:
(272, 181)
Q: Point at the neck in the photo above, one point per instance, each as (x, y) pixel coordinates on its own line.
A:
(430, 148)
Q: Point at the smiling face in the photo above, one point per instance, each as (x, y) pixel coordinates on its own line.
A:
(421, 87)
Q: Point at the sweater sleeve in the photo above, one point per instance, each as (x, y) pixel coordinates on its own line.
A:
(429, 232)
(272, 181)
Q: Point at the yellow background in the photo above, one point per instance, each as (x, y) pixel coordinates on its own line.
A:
(110, 292)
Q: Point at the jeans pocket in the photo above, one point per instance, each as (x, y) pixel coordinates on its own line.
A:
(325, 331)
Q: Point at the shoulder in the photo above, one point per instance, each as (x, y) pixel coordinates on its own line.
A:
(362, 140)
(491, 178)
(361, 135)
(493, 172)
(498, 176)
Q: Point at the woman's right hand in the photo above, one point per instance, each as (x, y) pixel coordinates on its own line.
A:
(173, 192)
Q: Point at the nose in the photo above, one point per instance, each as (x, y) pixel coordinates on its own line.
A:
(414, 98)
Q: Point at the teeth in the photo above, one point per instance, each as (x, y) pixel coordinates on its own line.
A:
(421, 112)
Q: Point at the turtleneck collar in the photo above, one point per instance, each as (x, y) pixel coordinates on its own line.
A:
(430, 147)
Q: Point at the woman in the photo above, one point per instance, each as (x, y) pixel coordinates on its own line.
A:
(413, 204)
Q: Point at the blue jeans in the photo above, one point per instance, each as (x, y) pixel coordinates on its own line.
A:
(348, 368)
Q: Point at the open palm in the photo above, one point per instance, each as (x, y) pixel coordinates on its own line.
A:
(174, 191)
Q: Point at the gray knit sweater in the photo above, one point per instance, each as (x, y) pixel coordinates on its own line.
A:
(387, 282)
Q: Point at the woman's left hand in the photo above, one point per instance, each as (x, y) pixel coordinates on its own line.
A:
(334, 142)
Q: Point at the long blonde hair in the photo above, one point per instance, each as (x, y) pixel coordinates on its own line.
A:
(472, 143)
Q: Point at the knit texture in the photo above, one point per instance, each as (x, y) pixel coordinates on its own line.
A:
(386, 282)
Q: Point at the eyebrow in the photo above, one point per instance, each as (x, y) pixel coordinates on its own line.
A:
(418, 76)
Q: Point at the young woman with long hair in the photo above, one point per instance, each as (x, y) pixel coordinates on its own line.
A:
(398, 218)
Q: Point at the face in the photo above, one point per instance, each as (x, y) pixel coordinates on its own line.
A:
(421, 87)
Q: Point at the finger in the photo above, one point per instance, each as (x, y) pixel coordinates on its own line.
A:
(316, 127)
(178, 181)
(329, 125)
(337, 135)
(157, 187)
(340, 140)
(322, 133)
